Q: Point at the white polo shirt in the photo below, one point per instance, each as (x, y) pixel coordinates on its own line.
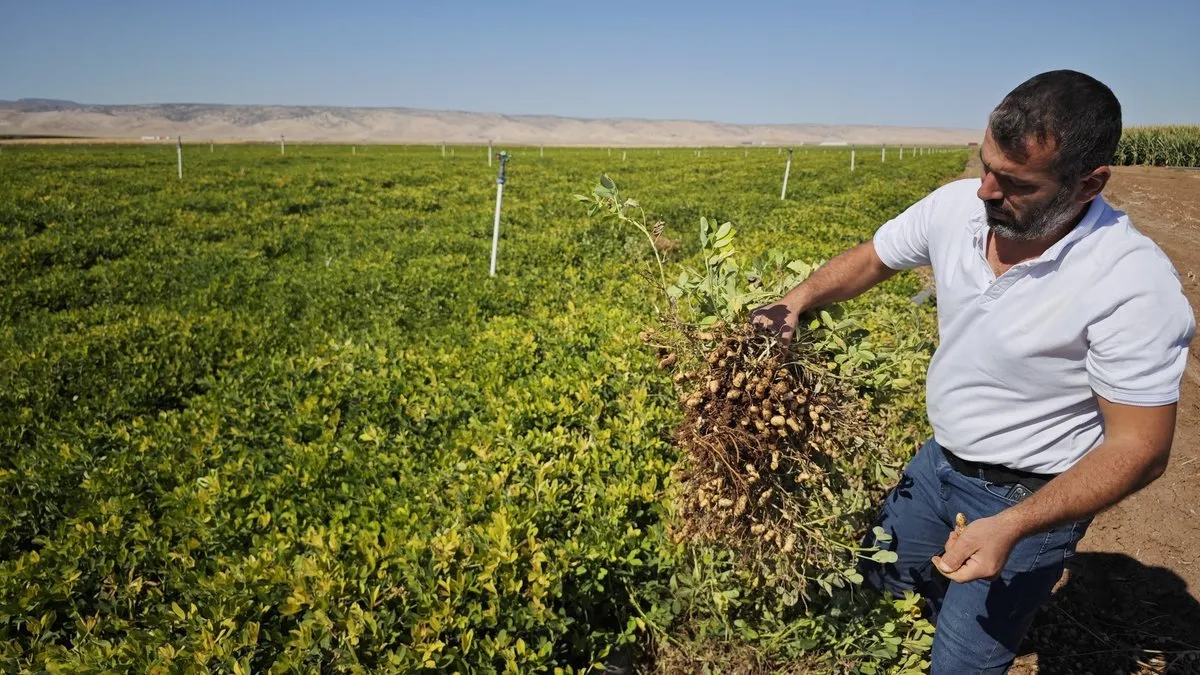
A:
(1021, 354)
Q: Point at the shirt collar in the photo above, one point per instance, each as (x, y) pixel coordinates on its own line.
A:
(978, 227)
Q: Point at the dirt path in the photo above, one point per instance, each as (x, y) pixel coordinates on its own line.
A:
(1158, 526)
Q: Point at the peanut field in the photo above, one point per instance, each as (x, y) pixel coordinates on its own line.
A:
(276, 417)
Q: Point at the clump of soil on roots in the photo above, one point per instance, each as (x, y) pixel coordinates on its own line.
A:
(762, 429)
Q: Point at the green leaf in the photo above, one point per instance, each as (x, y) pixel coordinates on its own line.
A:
(725, 230)
(674, 292)
(881, 534)
(800, 267)
(703, 231)
(717, 259)
(608, 182)
(885, 557)
(901, 383)
(827, 320)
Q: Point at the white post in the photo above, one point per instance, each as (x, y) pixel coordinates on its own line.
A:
(353, 150)
(179, 153)
(883, 154)
(443, 151)
(210, 146)
(786, 170)
(851, 160)
(902, 152)
(281, 144)
(496, 222)
(541, 151)
(623, 155)
(489, 153)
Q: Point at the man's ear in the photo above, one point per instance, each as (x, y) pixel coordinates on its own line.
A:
(1091, 185)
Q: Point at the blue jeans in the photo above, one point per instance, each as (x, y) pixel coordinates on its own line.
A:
(980, 624)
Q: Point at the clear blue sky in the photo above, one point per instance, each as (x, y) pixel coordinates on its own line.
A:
(777, 61)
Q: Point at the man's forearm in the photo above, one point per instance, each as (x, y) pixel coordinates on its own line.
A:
(846, 276)
(1108, 474)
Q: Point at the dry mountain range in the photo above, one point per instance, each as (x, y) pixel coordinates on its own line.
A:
(202, 122)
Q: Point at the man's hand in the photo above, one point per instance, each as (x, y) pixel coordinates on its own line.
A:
(979, 552)
(779, 318)
(840, 279)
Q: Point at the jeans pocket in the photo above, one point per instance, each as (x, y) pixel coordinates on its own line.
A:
(999, 491)
(1076, 530)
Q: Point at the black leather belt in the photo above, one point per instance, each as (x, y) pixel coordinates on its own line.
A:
(994, 473)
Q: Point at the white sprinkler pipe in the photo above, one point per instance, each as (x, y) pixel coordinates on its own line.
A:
(503, 157)
(786, 171)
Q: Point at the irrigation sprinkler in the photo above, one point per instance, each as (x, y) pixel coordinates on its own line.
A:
(902, 152)
(883, 153)
(787, 170)
(503, 157)
(489, 153)
(179, 153)
(281, 144)
(851, 160)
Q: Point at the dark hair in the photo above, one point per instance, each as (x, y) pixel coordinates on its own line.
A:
(1075, 111)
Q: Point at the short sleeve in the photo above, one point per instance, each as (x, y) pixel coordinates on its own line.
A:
(903, 242)
(1137, 352)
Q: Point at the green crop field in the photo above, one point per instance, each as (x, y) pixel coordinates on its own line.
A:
(1177, 145)
(276, 416)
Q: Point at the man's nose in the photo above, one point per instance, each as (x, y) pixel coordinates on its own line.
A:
(989, 188)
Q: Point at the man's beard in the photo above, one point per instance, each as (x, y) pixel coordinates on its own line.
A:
(1041, 222)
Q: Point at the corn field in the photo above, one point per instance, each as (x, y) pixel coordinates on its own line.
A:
(1177, 145)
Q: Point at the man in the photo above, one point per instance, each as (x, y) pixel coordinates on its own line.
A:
(1064, 336)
